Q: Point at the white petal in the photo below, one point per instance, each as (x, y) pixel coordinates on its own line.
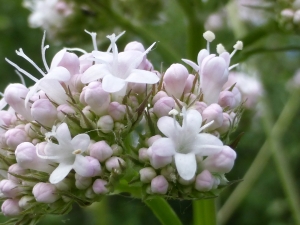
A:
(63, 133)
(192, 64)
(167, 125)
(192, 122)
(129, 60)
(206, 144)
(105, 57)
(201, 55)
(54, 90)
(81, 142)
(226, 57)
(32, 91)
(142, 76)
(57, 58)
(60, 173)
(95, 72)
(81, 165)
(112, 84)
(163, 147)
(59, 73)
(186, 165)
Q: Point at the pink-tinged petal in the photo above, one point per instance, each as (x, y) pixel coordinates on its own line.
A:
(57, 58)
(32, 91)
(60, 173)
(59, 73)
(81, 142)
(192, 64)
(167, 126)
(163, 147)
(226, 57)
(104, 57)
(142, 76)
(204, 61)
(95, 72)
(128, 61)
(201, 55)
(112, 84)
(206, 144)
(192, 122)
(54, 90)
(186, 165)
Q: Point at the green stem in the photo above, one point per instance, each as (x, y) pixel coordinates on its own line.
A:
(163, 211)
(204, 212)
(286, 117)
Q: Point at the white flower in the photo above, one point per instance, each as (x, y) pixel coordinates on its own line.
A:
(117, 69)
(185, 142)
(68, 152)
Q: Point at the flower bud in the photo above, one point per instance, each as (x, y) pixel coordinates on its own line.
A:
(30, 131)
(175, 79)
(117, 111)
(45, 193)
(25, 202)
(105, 124)
(143, 155)
(117, 149)
(7, 118)
(147, 174)
(214, 112)
(163, 106)
(114, 163)
(152, 139)
(10, 189)
(227, 99)
(27, 158)
(82, 182)
(64, 109)
(134, 45)
(97, 98)
(221, 162)
(158, 96)
(99, 186)
(226, 123)
(189, 83)
(15, 136)
(199, 106)
(159, 185)
(87, 166)
(85, 62)
(15, 169)
(67, 60)
(14, 95)
(204, 181)
(10, 207)
(169, 173)
(101, 151)
(158, 161)
(44, 112)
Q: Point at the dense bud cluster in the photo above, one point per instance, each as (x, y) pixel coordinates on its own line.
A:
(100, 119)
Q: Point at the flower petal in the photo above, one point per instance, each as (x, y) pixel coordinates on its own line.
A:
(127, 61)
(54, 90)
(58, 73)
(192, 122)
(142, 76)
(112, 84)
(81, 141)
(57, 58)
(206, 144)
(186, 165)
(104, 57)
(167, 125)
(163, 147)
(192, 64)
(63, 135)
(60, 173)
(95, 72)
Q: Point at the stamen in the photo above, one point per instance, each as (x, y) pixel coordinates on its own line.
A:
(76, 49)
(22, 71)
(233, 66)
(237, 46)
(173, 112)
(220, 49)
(117, 37)
(93, 35)
(206, 126)
(21, 77)
(209, 37)
(76, 152)
(22, 54)
(44, 52)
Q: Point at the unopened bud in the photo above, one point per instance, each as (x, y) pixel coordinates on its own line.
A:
(45, 193)
(147, 174)
(99, 186)
(204, 181)
(159, 185)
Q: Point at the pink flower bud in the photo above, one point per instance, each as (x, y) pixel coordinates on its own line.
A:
(159, 185)
(14, 95)
(83, 182)
(114, 163)
(44, 112)
(163, 106)
(227, 99)
(147, 174)
(10, 189)
(97, 98)
(214, 112)
(105, 124)
(152, 139)
(221, 162)
(87, 166)
(15, 136)
(214, 74)
(45, 193)
(137, 88)
(134, 45)
(175, 79)
(199, 106)
(204, 181)
(11, 208)
(226, 123)
(237, 95)
(143, 155)
(158, 96)
(158, 161)
(15, 169)
(64, 109)
(85, 62)
(117, 111)
(189, 83)
(67, 60)
(25, 202)
(27, 158)
(99, 186)
(7, 118)
(31, 130)
(101, 151)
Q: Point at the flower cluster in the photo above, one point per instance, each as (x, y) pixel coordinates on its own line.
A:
(94, 123)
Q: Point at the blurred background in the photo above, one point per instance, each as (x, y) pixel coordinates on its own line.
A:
(271, 57)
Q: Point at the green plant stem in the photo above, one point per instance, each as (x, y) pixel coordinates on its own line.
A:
(204, 212)
(286, 117)
(163, 211)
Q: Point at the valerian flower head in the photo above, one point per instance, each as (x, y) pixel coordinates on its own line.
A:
(185, 142)
(65, 153)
